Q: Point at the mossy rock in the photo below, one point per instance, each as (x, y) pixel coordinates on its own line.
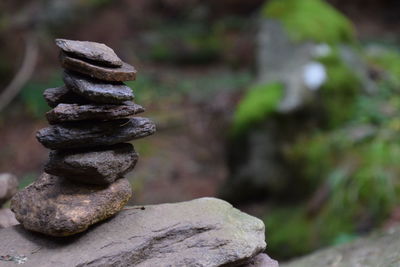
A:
(311, 20)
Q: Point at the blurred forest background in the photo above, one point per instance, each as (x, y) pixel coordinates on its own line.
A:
(289, 109)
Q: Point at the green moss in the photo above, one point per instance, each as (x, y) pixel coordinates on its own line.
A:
(312, 20)
(256, 105)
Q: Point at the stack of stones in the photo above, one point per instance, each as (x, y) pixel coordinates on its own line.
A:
(91, 119)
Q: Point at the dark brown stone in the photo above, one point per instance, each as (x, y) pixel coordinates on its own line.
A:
(74, 112)
(55, 96)
(96, 52)
(97, 91)
(124, 73)
(92, 134)
(56, 206)
(100, 166)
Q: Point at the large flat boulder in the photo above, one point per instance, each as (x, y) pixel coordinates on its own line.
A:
(379, 249)
(203, 232)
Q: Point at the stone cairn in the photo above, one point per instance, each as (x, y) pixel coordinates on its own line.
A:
(91, 119)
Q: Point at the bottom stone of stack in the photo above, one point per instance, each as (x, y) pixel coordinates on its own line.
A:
(56, 206)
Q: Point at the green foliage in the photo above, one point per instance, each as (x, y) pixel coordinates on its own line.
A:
(358, 163)
(339, 90)
(257, 104)
(389, 61)
(313, 20)
(288, 232)
(32, 95)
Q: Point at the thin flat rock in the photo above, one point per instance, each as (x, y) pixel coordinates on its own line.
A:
(124, 73)
(58, 207)
(74, 112)
(97, 52)
(99, 166)
(92, 134)
(96, 90)
(57, 95)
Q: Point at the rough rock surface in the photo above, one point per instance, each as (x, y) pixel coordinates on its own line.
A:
(55, 206)
(98, 91)
(203, 232)
(7, 218)
(97, 52)
(92, 134)
(8, 187)
(55, 96)
(379, 249)
(124, 73)
(262, 260)
(75, 112)
(99, 166)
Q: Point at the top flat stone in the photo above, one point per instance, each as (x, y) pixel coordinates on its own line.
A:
(97, 52)
(120, 74)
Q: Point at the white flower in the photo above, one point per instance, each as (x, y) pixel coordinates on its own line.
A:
(314, 75)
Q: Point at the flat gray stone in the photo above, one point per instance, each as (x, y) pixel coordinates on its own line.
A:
(7, 218)
(262, 260)
(55, 96)
(75, 112)
(124, 73)
(203, 232)
(8, 187)
(58, 207)
(379, 249)
(97, 52)
(98, 166)
(96, 90)
(92, 134)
